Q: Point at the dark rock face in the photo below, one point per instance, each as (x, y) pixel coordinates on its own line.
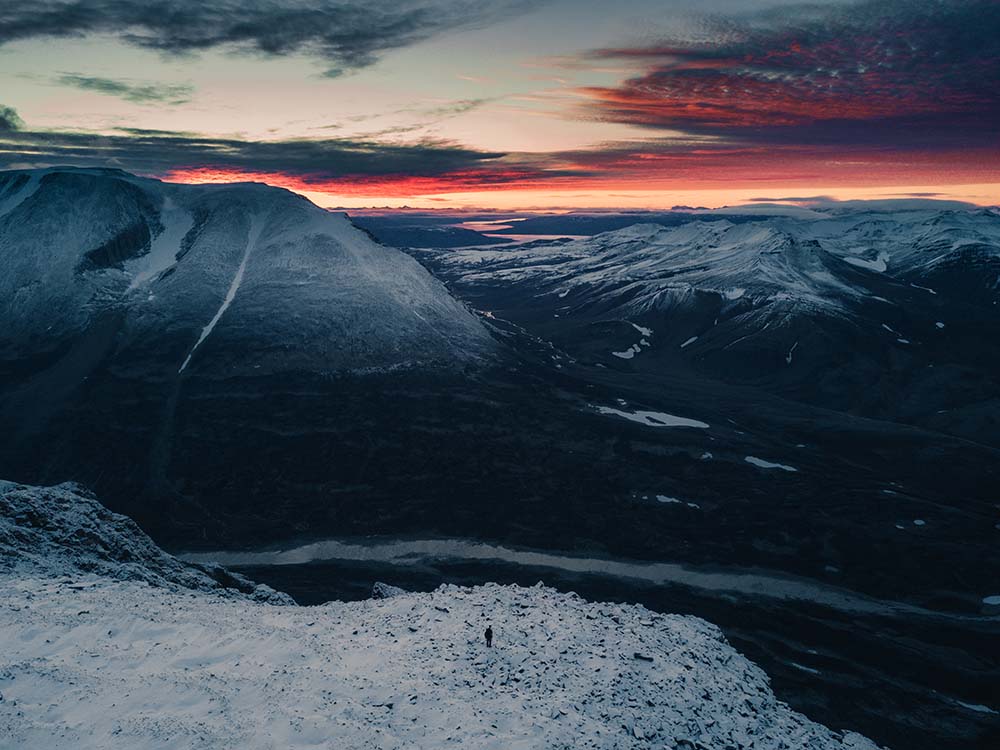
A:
(131, 242)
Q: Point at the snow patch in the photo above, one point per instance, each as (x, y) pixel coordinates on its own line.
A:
(879, 265)
(653, 418)
(177, 222)
(762, 464)
(628, 353)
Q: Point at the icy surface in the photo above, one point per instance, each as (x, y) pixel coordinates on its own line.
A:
(98, 664)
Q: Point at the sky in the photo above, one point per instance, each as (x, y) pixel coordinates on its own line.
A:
(514, 104)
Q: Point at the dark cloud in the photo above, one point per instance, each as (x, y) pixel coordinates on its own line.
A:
(363, 166)
(344, 33)
(9, 119)
(917, 70)
(140, 93)
(158, 152)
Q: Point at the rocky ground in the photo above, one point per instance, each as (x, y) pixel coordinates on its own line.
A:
(99, 663)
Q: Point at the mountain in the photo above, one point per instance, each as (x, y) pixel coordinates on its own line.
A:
(163, 341)
(224, 670)
(886, 314)
(202, 276)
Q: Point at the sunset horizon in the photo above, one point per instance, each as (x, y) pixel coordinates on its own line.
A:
(656, 105)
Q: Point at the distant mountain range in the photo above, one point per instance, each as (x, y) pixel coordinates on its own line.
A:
(889, 314)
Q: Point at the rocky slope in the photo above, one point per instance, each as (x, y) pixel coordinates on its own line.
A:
(64, 532)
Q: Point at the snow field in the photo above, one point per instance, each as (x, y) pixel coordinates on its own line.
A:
(121, 664)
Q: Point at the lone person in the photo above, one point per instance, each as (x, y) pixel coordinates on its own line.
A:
(489, 636)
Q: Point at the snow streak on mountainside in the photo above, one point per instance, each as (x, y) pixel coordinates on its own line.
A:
(252, 239)
(280, 284)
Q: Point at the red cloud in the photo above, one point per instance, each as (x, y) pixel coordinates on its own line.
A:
(932, 64)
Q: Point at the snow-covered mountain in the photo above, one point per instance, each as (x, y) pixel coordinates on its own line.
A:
(892, 314)
(155, 335)
(217, 280)
(102, 659)
(789, 263)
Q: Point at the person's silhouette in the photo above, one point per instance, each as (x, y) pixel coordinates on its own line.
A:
(489, 636)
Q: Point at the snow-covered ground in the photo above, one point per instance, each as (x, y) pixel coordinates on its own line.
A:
(106, 641)
(95, 663)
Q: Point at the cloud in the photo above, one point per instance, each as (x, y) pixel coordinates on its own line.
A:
(152, 152)
(345, 34)
(343, 166)
(9, 119)
(458, 107)
(370, 167)
(915, 70)
(132, 91)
